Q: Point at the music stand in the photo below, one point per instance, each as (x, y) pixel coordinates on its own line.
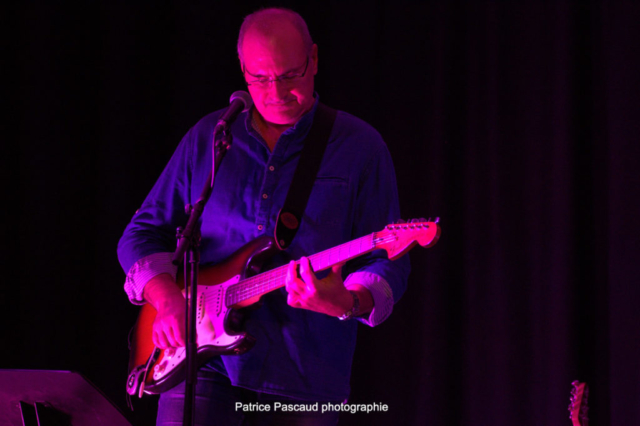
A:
(54, 398)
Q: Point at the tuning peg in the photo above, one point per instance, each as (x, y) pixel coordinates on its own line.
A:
(399, 221)
(415, 220)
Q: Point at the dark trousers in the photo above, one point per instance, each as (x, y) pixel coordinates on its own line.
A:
(218, 403)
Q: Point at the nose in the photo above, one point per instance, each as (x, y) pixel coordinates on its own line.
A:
(278, 90)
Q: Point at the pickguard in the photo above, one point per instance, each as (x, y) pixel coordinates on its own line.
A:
(210, 317)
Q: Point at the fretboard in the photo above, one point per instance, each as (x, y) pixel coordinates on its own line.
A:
(275, 278)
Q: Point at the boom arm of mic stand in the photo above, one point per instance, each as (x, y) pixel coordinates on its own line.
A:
(220, 148)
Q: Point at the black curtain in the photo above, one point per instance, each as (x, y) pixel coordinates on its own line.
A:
(516, 123)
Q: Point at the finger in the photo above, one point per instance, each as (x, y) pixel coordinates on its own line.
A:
(179, 337)
(337, 269)
(154, 339)
(176, 333)
(163, 343)
(293, 283)
(290, 274)
(294, 291)
(306, 272)
(290, 282)
(157, 338)
(293, 300)
(173, 337)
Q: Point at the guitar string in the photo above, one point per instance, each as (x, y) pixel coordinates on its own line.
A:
(253, 287)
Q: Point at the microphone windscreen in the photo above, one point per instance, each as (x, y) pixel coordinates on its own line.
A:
(244, 97)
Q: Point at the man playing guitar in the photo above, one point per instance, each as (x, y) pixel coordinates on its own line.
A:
(305, 333)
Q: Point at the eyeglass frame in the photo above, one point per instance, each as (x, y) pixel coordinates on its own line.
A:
(283, 78)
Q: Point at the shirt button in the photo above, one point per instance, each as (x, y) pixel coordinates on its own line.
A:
(272, 168)
(265, 196)
(259, 227)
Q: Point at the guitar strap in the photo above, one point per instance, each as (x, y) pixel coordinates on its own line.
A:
(290, 216)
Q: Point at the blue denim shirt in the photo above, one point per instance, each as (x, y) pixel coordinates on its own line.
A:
(298, 353)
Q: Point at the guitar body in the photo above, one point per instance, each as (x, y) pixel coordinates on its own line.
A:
(153, 370)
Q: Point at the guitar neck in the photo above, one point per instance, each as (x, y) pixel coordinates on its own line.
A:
(271, 280)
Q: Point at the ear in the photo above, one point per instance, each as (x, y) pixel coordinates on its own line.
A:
(314, 58)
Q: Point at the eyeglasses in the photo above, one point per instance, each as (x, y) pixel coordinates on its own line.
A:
(287, 79)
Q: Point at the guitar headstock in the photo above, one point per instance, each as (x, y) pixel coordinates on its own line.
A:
(578, 407)
(398, 238)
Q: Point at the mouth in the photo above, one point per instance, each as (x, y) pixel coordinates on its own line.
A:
(280, 104)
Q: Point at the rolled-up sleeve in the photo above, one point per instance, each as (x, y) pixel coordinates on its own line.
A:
(144, 270)
(144, 250)
(376, 206)
(381, 293)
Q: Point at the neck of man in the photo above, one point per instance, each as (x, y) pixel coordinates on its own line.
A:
(270, 132)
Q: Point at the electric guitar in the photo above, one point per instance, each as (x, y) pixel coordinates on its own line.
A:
(236, 283)
(578, 407)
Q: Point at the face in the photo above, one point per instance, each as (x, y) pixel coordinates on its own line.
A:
(280, 55)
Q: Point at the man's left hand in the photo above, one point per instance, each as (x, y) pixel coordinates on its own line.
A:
(327, 296)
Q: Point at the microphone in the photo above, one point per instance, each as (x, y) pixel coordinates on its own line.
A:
(240, 101)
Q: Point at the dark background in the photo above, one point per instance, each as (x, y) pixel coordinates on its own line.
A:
(517, 123)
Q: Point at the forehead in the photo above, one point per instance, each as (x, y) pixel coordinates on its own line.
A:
(273, 49)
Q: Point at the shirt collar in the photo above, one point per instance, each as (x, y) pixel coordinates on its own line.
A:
(297, 133)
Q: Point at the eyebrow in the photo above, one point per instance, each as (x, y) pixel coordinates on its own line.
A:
(290, 71)
(265, 76)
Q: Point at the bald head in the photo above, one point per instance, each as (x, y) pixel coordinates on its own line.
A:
(275, 47)
(269, 25)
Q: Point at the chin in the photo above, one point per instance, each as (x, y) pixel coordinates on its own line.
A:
(283, 118)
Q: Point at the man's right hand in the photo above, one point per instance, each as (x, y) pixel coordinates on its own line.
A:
(166, 297)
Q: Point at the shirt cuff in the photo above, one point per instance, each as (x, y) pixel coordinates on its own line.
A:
(143, 270)
(381, 293)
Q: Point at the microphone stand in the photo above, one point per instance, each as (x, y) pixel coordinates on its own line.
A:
(189, 251)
